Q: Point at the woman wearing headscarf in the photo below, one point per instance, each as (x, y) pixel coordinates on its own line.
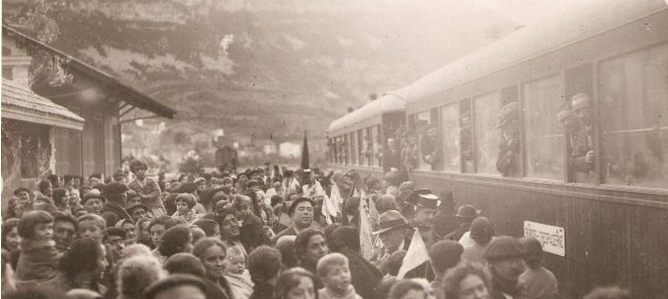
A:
(365, 276)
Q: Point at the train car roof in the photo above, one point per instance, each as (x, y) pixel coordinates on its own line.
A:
(390, 102)
(589, 19)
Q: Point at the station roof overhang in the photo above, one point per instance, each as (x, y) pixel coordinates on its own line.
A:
(128, 97)
(21, 103)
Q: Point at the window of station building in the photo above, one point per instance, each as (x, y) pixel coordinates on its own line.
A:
(634, 118)
(486, 132)
(543, 133)
(451, 138)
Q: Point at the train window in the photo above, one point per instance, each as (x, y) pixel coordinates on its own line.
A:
(361, 147)
(422, 122)
(353, 148)
(633, 96)
(465, 136)
(579, 125)
(450, 137)
(486, 132)
(375, 137)
(345, 157)
(543, 133)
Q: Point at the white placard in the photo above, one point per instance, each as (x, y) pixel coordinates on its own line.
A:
(553, 238)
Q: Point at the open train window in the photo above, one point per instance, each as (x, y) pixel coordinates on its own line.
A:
(543, 135)
(581, 128)
(422, 122)
(465, 136)
(450, 137)
(633, 95)
(485, 132)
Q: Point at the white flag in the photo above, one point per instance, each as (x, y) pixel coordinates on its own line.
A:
(415, 256)
(365, 233)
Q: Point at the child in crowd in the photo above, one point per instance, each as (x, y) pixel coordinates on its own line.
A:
(39, 258)
(236, 273)
(538, 281)
(185, 202)
(334, 273)
(92, 226)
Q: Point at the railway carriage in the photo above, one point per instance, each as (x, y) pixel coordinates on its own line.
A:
(356, 140)
(563, 124)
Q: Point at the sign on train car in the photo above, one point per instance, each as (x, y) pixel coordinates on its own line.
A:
(553, 238)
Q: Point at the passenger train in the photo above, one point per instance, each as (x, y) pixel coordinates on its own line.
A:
(562, 125)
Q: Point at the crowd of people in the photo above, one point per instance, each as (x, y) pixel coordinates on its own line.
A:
(262, 233)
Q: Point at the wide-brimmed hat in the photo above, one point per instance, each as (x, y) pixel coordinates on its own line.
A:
(424, 198)
(467, 211)
(390, 220)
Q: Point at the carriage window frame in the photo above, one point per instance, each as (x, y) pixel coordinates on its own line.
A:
(476, 135)
(443, 121)
(600, 94)
(524, 128)
(418, 131)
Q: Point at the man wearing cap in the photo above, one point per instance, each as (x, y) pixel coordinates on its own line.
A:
(113, 210)
(581, 159)
(147, 188)
(394, 232)
(505, 262)
(508, 160)
(137, 211)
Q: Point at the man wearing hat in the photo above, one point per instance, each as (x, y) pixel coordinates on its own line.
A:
(505, 262)
(147, 188)
(465, 215)
(394, 232)
(425, 204)
(508, 160)
(137, 211)
(581, 159)
(113, 210)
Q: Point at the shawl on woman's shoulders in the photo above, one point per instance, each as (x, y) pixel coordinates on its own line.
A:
(38, 260)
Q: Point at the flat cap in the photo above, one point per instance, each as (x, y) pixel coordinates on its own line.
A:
(503, 247)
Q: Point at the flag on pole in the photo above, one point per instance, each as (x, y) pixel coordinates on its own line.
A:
(305, 159)
(415, 256)
(365, 232)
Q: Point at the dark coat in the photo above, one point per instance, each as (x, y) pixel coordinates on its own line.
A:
(113, 212)
(392, 160)
(252, 233)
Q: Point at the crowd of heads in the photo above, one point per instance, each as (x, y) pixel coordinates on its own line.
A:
(262, 233)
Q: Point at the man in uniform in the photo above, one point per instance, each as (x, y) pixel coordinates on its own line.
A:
(426, 205)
